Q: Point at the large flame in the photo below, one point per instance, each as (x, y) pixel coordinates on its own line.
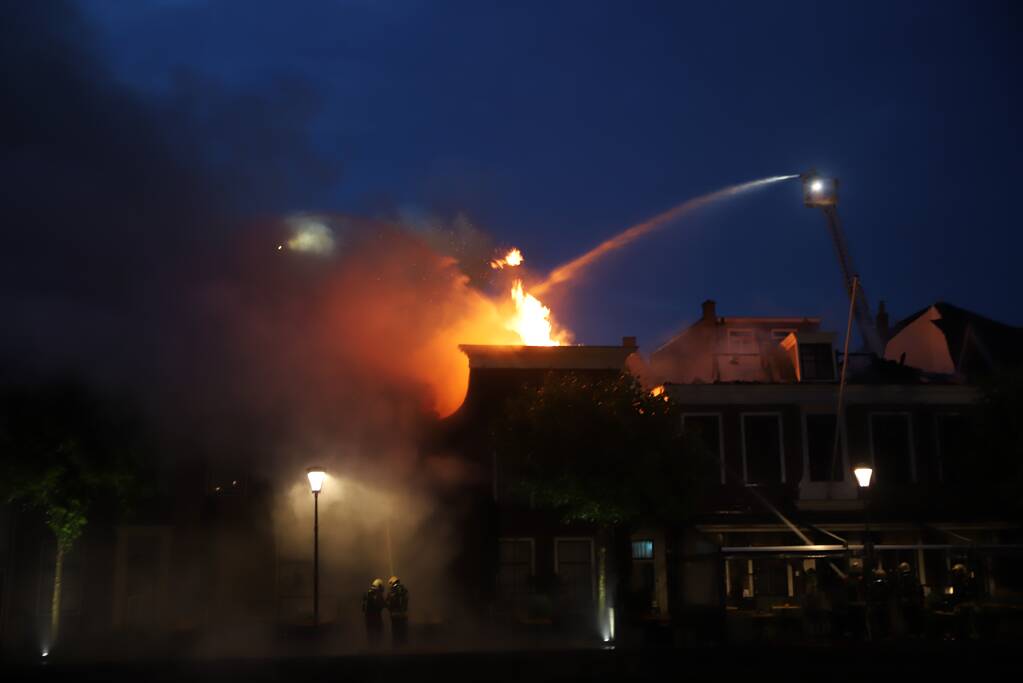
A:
(531, 320)
(512, 258)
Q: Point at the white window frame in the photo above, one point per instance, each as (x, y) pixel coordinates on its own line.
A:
(593, 559)
(781, 442)
(909, 435)
(844, 445)
(721, 436)
(752, 336)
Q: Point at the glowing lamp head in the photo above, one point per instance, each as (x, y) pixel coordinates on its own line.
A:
(819, 191)
(316, 476)
(863, 475)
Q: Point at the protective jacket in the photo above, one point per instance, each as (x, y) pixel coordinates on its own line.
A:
(373, 603)
(397, 601)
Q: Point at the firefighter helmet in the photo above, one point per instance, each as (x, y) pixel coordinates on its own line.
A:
(393, 580)
(377, 585)
(904, 568)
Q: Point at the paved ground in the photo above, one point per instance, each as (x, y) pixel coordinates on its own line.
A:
(909, 663)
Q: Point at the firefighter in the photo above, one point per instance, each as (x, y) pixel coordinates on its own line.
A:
(373, 603)
(397, 606)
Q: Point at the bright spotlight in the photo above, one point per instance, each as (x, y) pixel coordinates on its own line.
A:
(819, 191)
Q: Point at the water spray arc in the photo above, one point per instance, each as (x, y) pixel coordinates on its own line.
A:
(569, 270)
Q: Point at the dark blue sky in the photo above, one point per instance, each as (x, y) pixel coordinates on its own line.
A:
(553, 125)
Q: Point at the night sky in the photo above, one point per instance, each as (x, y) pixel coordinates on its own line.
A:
(553, 125)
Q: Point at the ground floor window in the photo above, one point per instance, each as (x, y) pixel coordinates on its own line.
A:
(643, 582)
(514, 570)
(573, 560)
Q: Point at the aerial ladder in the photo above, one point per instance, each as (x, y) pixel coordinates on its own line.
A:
(820, 192)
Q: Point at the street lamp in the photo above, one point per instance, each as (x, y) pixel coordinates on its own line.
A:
(864, 472)
(316, 476)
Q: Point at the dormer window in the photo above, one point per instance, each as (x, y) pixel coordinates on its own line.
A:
(816, 362)
(778, 334)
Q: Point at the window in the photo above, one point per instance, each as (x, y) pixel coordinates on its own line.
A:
(891, 445)
(955, 447)
(778, 334)
(643, 550)
(707, 429)
(742, 341)
(573, 562)
(820, 448)
(761, 449)
(816, 363)
(514, 570)
(771, 578)
(644, 578)
(738, 580)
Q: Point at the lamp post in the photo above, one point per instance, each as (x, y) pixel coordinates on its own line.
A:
(316, 476)
(864, 472)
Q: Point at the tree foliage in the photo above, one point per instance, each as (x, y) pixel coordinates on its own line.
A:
(67, 454)
(599, 450)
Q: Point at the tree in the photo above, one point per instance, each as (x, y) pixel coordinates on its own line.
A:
(67, 455)
(601, 450)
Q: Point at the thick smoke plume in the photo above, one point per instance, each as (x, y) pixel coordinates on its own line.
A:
(140, 250)
(140, 247)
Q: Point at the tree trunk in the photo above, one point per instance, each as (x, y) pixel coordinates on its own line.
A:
(58, 579)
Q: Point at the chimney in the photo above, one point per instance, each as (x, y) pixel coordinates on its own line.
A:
(882, 323)
(710, 313)
(629, 342)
